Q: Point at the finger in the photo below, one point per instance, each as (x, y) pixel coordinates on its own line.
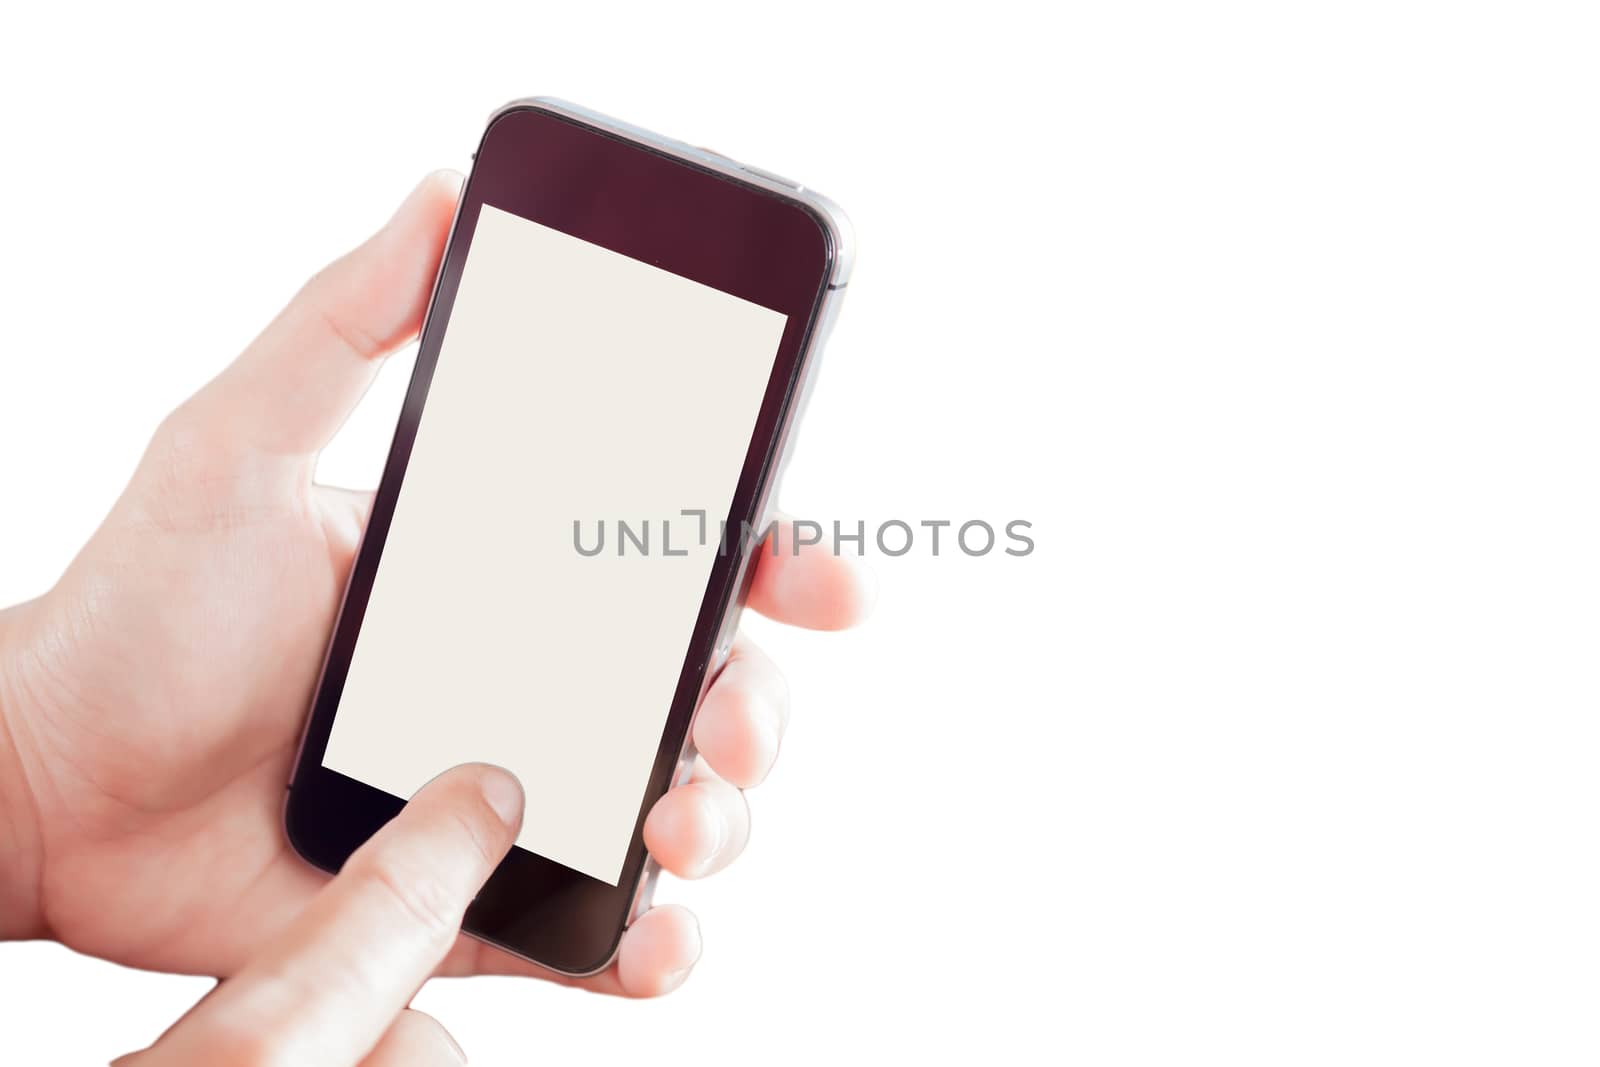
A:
(416, 1040)
(740, 725)
(293, 387)
(656, 955)
(807, 584)
(658, 951)
(330, 987)
(699, 828)
(344, 515)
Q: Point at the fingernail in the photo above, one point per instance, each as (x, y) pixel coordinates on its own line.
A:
(719, 831)
(771, 720)
(459, 1052)
(674, 979)
(867, 587)
(503, 793)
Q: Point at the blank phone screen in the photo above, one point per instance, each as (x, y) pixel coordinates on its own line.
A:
(574, 385)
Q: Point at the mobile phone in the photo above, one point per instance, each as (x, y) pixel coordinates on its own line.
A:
(621, 337)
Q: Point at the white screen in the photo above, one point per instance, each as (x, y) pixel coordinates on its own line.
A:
(573, 383)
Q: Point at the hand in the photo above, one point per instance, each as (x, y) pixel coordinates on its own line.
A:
(332, 988)
(154, 697)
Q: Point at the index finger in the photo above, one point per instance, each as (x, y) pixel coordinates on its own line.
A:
(327, 991)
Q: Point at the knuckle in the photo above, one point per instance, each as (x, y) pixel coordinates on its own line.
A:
(244, 1042)
(181, 455)
(418, 897)
(191, 476)
(340, 327)
(180, 440)
(472, 831)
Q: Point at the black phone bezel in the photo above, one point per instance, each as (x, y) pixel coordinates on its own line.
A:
(636, 198)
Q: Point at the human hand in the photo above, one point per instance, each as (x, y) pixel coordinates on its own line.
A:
(153, 699)
(332, 989)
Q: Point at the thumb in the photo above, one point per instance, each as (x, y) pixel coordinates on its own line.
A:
(291, 390)
(328, 989)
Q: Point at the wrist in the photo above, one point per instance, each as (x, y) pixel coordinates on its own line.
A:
(21, 845)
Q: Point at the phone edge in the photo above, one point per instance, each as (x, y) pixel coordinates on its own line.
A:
(840, 237)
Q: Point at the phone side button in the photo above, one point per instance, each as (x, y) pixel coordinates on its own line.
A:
(777, 179)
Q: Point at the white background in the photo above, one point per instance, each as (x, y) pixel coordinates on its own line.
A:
(1279, 323)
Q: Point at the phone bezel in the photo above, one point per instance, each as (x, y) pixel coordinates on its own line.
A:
(645, 199)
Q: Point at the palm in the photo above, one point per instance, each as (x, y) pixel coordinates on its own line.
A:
(191, 678)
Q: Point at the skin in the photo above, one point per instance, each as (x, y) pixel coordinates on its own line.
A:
(332, 987)
(151, 702)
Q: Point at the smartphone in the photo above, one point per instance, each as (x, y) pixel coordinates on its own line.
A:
(620, 340)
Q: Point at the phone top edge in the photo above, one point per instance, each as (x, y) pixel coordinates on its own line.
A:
(835, 223)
